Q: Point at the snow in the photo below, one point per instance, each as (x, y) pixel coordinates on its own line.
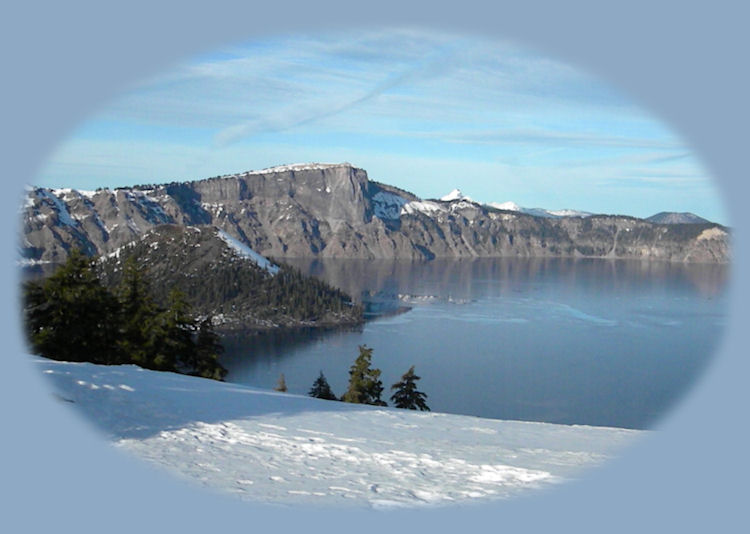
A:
(539, 212)
(278, 448)
(456, 194)
(423, 206)
(569, 213)
(29, 199)
(387, 205)
(299, 167)
(148, 204)
(508, 206)
(63, 214)
(453, 195)
(246, 252)
(29, 262)
(464, 203)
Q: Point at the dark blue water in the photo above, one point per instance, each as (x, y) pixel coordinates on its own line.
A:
(598, 342)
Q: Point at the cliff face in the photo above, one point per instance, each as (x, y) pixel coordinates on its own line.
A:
(334, 211)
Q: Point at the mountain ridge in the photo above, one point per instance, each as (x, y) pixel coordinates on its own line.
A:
(673, 217)
(336, 211)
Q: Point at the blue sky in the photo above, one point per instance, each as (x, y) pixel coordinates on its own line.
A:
(421, 110)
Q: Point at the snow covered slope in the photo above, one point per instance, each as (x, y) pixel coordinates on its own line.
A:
(246, 252)
(279, 448)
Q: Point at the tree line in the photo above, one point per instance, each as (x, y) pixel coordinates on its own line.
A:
(365, 386)
(72, 316)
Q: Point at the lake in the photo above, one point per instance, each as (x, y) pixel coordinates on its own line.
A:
(596, 342)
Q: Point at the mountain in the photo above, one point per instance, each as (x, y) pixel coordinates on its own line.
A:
(228, 281)
(671, 217)
(335, 211)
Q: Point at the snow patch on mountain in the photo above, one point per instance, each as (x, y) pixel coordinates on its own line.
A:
(63, 214)
(537, 212)
(456, 194)
(387, 205)
(569, 213)
(422, 206)
(246, 252)
(298, 167)
(508, 206)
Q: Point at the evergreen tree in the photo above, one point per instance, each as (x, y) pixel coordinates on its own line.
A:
(365, 386)
(321, 390)
(281, 384)
(406, 395)
(141, 329)
(208, 348)
(173, 341)
(71, 316)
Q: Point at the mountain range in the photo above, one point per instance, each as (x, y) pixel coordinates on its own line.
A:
(336, 211)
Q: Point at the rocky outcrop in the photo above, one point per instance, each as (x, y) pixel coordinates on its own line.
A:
(335, 211)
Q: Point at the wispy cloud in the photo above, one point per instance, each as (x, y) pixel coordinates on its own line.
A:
(286, 120)
(548, 137)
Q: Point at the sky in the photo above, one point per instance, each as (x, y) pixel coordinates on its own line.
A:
(421, 110)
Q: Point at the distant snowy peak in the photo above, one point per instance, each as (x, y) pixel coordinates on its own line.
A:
(569, 213)
(456, 194)
(538, 212)
(246, 252)
(508, 206)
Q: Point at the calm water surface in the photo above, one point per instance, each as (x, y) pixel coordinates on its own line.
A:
(599, 342)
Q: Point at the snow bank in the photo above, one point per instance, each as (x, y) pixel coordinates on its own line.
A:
(280, 448)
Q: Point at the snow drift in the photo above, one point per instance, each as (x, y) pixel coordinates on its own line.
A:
(288, 449)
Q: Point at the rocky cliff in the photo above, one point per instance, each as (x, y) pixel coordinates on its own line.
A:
(335, 211)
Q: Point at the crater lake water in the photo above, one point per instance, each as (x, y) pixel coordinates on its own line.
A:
(573, 341)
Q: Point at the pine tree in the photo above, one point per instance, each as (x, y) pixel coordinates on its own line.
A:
(406, 395)
(71, 316)
(365, 386)
(281, 384)
(208, 348)
(175, 346)
(141, 329)
(321, 390)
